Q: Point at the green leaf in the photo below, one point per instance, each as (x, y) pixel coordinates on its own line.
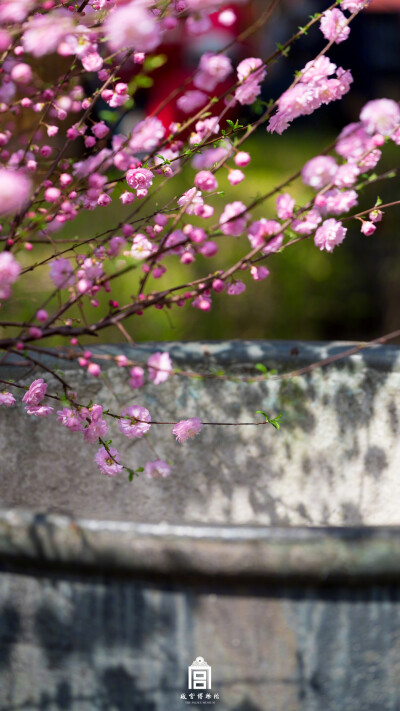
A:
(140, 469)
(261, 367)
(154, 62)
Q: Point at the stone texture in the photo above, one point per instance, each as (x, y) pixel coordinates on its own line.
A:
(335, 461)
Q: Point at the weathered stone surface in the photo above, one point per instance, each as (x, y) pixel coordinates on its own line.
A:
(335, 461)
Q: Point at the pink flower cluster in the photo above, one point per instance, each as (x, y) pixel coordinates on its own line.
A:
(9, 273)
(251, 73)
(316, 87)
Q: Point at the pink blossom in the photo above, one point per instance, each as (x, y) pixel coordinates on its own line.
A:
(187, 429)
(380, 116)
(39, 410)
(284, 206)
(141, 247)
(158, 469)
(337, 202)
(317, 69)
(137, 377)
(44, 32)
(52, 194)
(21, 73)
(160, 367)
(259, 231)
(132, 26)
(42, 315)
(235, 288)
(35, 393)
(100, 130)
(139, 178)
(236, 176)
(198, 24)
(97, 426)
(6, 398)
(191, 100)
(127, 198)
(137, 421)
(202, 302)
(354, 5)
(92, 62)
(333, 26)
(259, 273)
(352, 142)
(346, 175)
(242, 159)
(307, 223)
(213, 69)
(9, 273)
(368, 228)
(229, 225)
(70, 419)
(251, 67)
(190, 200)
(15, 10)
(208, 158)
(319, 171)
(205, 127)
(116, 245)
(15, 189)
(205, 180)
(247, 92)
(209, 248)
(107, 462)
(146, 135)
(329, 235)
(375, 215)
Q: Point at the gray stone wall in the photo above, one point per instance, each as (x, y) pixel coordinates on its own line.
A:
(335, 460)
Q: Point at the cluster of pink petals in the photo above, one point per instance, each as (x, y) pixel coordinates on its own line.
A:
(192, 201)
(187, 429)
(108, 462)
(354, 5)
(235, 288)
(233, 219)
(333, 26)
(205, 180)
(380, 116)
(141, 247)
(315, 88)
(62, 273)
(213, 69)
(44, 32)
(259, 273)
(261, 234)
(251, 72)
(9, 273)
(7, 398)
(15, 189)
(35, 393)
(97, 426)
(139, 179)
(71, 419)
(39, 410)
(160, 367)
(191, 100)
(146, 135)
(132, 26)
(136, 422)
(329, 235)
(285, 206)
(137, 377)
(158, 469)
(319, 171)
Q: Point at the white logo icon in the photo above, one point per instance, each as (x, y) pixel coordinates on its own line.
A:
(199, 674)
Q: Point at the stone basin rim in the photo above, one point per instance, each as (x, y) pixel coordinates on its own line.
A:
(33, 538)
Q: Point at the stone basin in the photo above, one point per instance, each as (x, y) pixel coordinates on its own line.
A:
(272, 555)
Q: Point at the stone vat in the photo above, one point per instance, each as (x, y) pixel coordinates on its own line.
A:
(275, 556)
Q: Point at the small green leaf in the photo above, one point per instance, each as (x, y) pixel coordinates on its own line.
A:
(261, 367)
